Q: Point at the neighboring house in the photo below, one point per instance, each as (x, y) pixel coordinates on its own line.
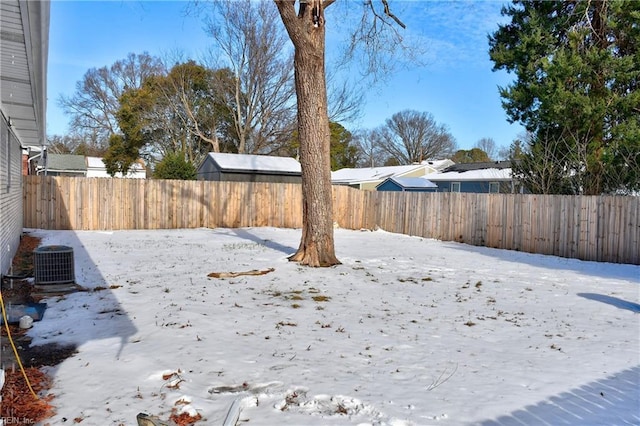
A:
(492, 177)
(369, 178)
(80, 166)
(24, 46)
(97, 168)
(30, 159)
(62, 165)
(249, 168)
(418, 184)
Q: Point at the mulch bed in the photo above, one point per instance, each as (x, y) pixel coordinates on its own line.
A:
(19, 405)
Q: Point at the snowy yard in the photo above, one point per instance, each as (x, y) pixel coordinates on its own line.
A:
(407, 331)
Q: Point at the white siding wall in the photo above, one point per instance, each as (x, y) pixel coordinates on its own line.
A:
(10, 195)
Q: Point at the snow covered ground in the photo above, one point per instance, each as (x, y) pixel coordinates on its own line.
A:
(407, 331)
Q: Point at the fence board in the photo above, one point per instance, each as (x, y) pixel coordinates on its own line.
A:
(632, 232)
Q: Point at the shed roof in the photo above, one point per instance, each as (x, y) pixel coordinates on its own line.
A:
(255, 163)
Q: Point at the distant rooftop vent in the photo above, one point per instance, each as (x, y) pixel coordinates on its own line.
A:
(54, 265)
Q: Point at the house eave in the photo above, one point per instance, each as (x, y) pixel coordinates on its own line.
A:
(260, 172)
(24, 45)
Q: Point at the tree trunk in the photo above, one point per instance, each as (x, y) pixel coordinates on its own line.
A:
(307, 33)
(317, 245)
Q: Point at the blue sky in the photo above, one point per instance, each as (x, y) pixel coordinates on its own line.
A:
(456, 85)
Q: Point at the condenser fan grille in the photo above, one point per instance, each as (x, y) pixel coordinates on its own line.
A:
(53, 265)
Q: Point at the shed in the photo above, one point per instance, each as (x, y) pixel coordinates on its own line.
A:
(407, 184)
(249, 168)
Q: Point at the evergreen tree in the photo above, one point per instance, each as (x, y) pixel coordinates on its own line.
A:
(343, 149)
(175, 166)
(94, 105)
(578, 68)
(343, 152)
(184, 111)
(124, 148)
(474, 155)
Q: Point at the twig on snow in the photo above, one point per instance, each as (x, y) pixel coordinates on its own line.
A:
(441, 378)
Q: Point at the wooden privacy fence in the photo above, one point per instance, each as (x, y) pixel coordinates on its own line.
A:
(600, 228)
(105, 203)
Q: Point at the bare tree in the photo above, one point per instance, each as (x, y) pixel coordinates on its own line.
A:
(66, 144)
(307, 30)
(488, 145)
(84, 144)
(411, 137)
(548, 164)
(94, 104)
(249, 41)
(503, 153)
(345, 99)
(371, 155)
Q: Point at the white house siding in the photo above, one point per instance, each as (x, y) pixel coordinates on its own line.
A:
(97, 168)
(10, 195)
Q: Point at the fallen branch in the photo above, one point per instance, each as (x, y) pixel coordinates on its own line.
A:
(237, 274)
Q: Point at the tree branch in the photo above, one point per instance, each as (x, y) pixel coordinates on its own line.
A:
(388, 12)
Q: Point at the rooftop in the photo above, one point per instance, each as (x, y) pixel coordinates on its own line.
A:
(257, 163)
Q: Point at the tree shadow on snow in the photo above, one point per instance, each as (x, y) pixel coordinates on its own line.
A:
(79, 317)
(618, 303)
(599, 269)
(246, 235)
(614, 400)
